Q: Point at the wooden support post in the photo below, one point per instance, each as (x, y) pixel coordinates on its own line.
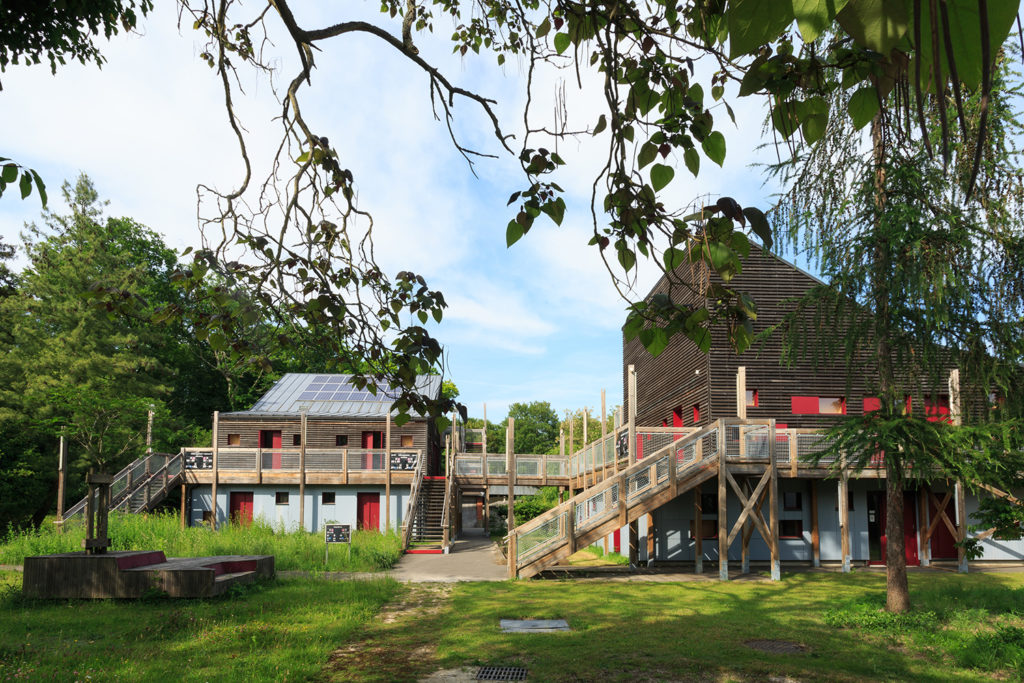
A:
(723, 529)
(216, 450)
(748, 532)
(634, 544)
(570, 528)
(487, 508)
(387, 468)
(513, 555)
(794, 455)
(632, 414)
(544, 469)
(62, 459)
(484, 446)
(604, 435)
(815, 531)
(773, 502)
(510, 459)
(302, 471)
(593, 466)
(844, 512)
(650, 538)
(922, 516)
(741, 392)
(961, 527)
(698, 533)
(182, 504)
(344, 463)
(561, 441)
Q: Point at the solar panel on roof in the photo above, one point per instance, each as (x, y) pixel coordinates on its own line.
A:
(324, 395)
(307, 396)
(323, 378)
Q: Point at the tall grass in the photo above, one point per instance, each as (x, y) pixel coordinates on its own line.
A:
(371, 551)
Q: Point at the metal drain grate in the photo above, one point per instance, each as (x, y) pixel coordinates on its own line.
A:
(501, 673)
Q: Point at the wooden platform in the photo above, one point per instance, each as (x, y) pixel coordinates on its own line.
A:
(133, 574)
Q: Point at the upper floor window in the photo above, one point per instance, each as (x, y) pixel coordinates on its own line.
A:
(751, 398)
(818, 405)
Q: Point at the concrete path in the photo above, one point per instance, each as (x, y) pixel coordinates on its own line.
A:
(474, 557)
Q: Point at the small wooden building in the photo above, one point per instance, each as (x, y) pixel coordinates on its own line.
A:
(314, 449)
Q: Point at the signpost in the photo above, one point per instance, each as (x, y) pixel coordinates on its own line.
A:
(199, 461)
(337, 533)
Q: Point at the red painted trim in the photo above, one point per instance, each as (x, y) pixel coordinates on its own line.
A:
(424, 551)
(141, 559)
(441, 478)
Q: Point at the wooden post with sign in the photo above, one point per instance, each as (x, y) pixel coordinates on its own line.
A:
(336, 533)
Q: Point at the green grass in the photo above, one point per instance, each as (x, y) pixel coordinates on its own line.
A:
(280, 631)
(963, 628)
(371, 551)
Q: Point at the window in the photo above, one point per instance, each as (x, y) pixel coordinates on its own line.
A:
(407, 441)
(677, 416)
(327, 498)
(751, 398)
(296, 439)
(818, 405)
(341, 439)
(792, 500)
(937, 410)
(696, 413)
(281, 497)
(708, 528)
(234, 439)
(872, 403)
(791, 528)
(708, 502)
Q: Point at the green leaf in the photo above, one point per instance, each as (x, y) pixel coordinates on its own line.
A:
(602, 123)
(661, 175)
(627, 259)
(701, 337)
(544, 27)
(648, 153)
(863, 106)
(692, 160)
(562, 42)
(674, 258)
(26, 184)
(658, 341)
(814, 16)
(878, 25)
(714, 147)
(303, 158)
(759, 224)
(10, 173)
(513, 232)
(555, 209)
(753, 23)
(400, 419)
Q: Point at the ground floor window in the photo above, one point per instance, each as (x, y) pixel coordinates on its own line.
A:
(791, 528)
(327, 498)
(281, 497)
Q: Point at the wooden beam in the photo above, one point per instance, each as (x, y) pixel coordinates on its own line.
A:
(923, 524)
(741, 392)
(844, 516)
(632, 414)
(815, 531)
(751, 507)
(723, 537)
(773, 506)
(213, 488)
(650, 537)
(961, 521)
(183, 504)
(387, 470)
(62, 459)
(484, 444)
(593, 468)
(302, 470)
(634, 544)
(748, 531)
(510, 464)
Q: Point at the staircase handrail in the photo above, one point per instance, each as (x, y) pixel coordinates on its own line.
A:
(124, 494)
(412, 506)
(449, 482)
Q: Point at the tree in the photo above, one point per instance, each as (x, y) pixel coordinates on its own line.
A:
(536, 427)
(922, 256)
(309, 257)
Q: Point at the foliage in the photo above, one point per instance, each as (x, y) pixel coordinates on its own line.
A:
(292, 549)
(536, 427)
(283, 630)
(1004, 517)
(572, 428)
(528, 507)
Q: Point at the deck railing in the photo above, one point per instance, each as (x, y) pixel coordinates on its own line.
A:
(412, 506)
(134, 479)
(239, 459)
(527, 465)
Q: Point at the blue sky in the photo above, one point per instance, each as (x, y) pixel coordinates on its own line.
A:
(540, 321)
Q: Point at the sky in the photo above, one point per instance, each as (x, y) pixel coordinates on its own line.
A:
(540, 321)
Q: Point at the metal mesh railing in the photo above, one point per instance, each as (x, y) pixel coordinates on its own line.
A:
(469, 465)
(544, 537)
(808, 444)
(593, 508)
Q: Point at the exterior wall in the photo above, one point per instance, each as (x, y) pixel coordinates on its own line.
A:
(319, 433)
(287, 516)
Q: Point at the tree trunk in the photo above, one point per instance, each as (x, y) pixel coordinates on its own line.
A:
(897, 594)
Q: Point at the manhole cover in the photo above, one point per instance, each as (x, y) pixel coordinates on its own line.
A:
(501, 673)
(779, 647)
(533, 625)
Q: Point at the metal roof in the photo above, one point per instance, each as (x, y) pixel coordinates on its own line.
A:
(323, 395)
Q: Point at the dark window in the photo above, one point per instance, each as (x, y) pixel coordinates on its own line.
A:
(281, 497)
(792, 500)
(708, 503)
(791, 528)
(708, 528)
(296, 439)
(327, 498)
(234, 439)
(341, 439)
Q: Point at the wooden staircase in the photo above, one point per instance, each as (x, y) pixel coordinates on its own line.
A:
(428, 520)
(612, 504)
(140, 485)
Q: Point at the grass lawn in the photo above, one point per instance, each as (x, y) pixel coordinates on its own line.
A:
(963, 628)
(280, 631)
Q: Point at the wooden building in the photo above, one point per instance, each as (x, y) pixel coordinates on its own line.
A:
(315, 449)
(685, 388)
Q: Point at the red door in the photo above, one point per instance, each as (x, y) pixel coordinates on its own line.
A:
(617, 541)
(371, 440)
(368, 511)
(240, 507)
(943, 546)
(909, 528)
(272, 439)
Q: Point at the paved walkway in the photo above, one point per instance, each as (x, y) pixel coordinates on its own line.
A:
(474, 557)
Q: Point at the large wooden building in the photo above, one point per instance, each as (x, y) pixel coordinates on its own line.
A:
(685, 388)
(314, 449)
